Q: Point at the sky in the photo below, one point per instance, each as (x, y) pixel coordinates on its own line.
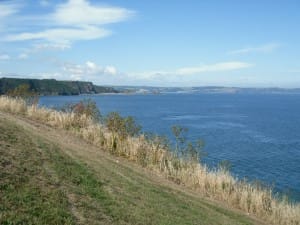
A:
(154, 43)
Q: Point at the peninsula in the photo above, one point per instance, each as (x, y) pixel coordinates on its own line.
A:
(54, 87)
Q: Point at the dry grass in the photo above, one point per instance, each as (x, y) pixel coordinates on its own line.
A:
(218, 184)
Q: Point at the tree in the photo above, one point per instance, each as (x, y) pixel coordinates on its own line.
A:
(121, 127)
(86, 107)
(189, 150)
(179, 134)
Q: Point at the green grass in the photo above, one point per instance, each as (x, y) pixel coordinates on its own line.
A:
(28, 195)
(43, 182)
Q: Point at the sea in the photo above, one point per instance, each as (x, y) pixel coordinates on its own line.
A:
(259, 134)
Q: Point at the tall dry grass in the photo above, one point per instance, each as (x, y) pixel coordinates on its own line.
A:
(216, 184)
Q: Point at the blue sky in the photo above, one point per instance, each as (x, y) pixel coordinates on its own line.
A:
(157, 43)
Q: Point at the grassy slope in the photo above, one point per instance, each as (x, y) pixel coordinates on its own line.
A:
(50, 177)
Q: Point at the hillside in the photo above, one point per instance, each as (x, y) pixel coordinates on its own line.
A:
(54, 87)
(49, 176)
(206, 90)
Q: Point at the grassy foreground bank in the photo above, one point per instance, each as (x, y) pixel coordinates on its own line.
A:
(46, 179)
(217, 185)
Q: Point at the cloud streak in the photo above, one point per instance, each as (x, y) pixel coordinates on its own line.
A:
(189, 71)
(5, 57)
(23, 56)
(72, 21)
(62, 35)
(8, 9)
(44, 3)
(267, 48)
(50, 46)
(187, 75)
(218, 67)
(81, 12)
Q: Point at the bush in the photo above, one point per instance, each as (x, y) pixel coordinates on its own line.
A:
(153, 152)
(122, 126)
(23, 91)
(186, 149)
(86, 107)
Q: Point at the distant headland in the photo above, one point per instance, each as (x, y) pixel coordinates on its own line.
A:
(54, 87)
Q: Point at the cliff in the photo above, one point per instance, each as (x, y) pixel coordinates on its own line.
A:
(54, 87)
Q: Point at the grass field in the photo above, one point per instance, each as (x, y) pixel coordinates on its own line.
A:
(48, 176)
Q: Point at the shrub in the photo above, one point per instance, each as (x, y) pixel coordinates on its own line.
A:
(186, 149)
(85, 107)
(180, 139)
(24, 92)
(120, 128)
(153, 152)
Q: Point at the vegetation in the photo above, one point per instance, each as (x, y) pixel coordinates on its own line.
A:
(120, 129)
(23, 91)
(85, 107)
(27, 195)
(41, 184)
(53, 87)
(186, 149)
(120, 137)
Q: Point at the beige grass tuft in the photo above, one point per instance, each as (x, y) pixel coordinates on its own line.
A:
(215, 184)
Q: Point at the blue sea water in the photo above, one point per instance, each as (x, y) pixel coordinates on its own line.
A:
(258, 133)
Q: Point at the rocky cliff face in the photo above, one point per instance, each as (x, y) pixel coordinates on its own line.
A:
(54, 87)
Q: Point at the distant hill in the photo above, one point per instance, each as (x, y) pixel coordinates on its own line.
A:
(205, 90)
(54, 87)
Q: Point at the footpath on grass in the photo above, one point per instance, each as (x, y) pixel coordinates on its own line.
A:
(49, 176)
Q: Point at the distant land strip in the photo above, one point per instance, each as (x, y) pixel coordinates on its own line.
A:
(54, 87)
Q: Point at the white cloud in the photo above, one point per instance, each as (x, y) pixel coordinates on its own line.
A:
(88, 71)
(218, 67)
(81, 12)
(188, 71)
(72, 21)
(5, 57)
(208, 74)
(188, 76)
(7, 9)
(40, 47)
(150, 75)
(73, 69)
(91, 65)
(51, 46)
(62, 35)
(267, 48)
(23, 56)
(110, 70)
(44, 3)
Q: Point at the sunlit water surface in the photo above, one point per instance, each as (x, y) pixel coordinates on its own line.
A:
(259, 134)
